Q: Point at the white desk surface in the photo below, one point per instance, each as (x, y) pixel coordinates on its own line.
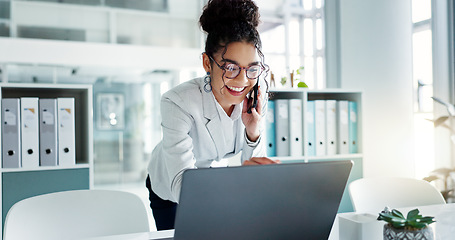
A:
(138, 236)
(444, 227)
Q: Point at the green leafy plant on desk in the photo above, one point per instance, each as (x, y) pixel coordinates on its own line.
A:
(413, 226)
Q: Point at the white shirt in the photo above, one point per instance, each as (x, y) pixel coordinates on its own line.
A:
(229, 123)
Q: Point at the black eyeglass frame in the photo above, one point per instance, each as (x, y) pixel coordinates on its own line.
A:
(222, 67)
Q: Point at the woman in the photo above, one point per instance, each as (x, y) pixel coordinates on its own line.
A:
(207, 119)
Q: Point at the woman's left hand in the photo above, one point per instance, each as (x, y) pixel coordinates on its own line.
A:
(252, 120)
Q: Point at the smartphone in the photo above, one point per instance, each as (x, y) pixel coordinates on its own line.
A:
(253, 99)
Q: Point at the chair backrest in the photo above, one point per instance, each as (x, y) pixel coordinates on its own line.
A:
(373, 194)
(76, 214)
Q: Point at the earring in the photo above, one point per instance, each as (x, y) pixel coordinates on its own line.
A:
(207, 80)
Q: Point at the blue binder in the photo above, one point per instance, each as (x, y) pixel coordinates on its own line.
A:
(270, 129)
(353, 122)
(310, 124)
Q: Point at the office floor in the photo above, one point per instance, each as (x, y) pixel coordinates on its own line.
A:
(138, 189)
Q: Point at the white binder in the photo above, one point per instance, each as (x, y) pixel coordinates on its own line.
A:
(331, 131)
(66, 132)
(282, 127)
(343, 127)
(11, 133)
(30, 132)
(295, 127)
(320, 131)
(48, 132)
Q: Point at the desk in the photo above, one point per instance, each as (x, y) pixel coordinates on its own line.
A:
(138, 236)
(444, 227)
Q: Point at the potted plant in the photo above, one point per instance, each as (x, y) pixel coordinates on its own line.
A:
(414, 226)
(299, 79)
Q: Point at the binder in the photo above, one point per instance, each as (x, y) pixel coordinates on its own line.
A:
(11, 133)
(66, 132)
(282, 127)
(320, 125)
(310, 123)
(48, 132)
(330, 122)
(295, 127)
(30, 132)
(353, 122)
(342, 127)
(270, 129)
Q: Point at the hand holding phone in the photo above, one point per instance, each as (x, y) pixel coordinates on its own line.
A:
(253, 99)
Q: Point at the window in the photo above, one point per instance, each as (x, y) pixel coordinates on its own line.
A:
(423, 87)
(302, 25)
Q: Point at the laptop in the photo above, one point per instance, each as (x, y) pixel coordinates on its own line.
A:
(279, 201)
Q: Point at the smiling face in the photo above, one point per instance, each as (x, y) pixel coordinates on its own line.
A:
(229, 92)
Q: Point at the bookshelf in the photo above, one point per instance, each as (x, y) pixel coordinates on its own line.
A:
(20, 183)
(306, 95)
(125, 22)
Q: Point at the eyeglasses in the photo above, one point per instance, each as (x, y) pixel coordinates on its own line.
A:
(232, 70)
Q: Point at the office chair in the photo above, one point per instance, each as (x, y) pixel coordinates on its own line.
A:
(373, 194)
(76, 214)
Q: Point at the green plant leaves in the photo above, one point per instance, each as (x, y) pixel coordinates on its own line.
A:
(413, 214)
(302, 85)
(397, 213)
(412, 220)
(299, 70)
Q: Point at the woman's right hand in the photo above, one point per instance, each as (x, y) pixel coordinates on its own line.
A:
(260, 161)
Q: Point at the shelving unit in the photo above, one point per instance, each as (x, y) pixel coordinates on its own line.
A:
(156, 24)
(20, 183)
(328, 94)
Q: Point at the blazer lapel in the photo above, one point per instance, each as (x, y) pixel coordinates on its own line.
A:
(213, 120)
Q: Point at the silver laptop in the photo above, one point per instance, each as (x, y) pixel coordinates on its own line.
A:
(280, 201)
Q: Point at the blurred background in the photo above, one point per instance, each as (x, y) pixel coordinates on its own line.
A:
(398, 53)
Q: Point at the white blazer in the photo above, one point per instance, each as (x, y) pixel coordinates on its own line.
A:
(192, 137)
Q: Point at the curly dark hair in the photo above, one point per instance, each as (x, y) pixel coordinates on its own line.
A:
(227, 21)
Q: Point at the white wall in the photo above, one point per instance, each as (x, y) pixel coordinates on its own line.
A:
(376, 58)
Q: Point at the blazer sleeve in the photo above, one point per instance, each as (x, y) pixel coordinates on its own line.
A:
(176, 147)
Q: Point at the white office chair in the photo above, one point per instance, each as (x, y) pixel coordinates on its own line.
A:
(373, 194)
(76, 214)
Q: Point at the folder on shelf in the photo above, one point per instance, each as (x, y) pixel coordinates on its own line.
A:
(320, 127)
(282, 127)
(48, 132)
(270, 129)
(311, 148)
(353, 123)
(331, 131)
(11, 133)
(342, 127)
(295, 127)
(30, 132)
(66, 132)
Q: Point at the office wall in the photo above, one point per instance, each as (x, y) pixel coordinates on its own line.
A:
(376, 57)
